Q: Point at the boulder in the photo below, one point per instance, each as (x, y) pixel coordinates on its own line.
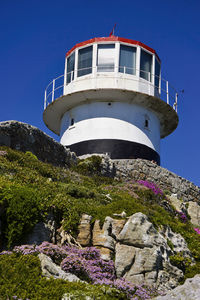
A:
(175, 201)
(194, 213)
(50, 269)
(139, 232)
(190, 290)
(84, 235)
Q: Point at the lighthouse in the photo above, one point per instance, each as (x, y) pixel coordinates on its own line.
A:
(111, 100)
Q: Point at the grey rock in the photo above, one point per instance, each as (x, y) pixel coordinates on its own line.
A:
(50, 269)
(175, 201)
(139, 232)
(179, 244)
(194, 213)
(24, 137)
(190, 290)
(142, 254)
(124, 258)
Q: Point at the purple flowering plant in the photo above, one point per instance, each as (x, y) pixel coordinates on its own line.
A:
(182, 216)
(152, 186)
(87, 264)
(197, 230)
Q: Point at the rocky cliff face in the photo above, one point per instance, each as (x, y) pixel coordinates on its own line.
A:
(140, 169)
(25, 137)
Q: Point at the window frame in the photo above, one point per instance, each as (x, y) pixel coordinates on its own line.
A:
(151, 71)
(131, 46)
(106, 43)
(82, 69)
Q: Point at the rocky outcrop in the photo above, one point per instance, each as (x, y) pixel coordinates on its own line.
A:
(147, 255)
(50, 269)
(24, 137)
(190, 290)
(142, 253)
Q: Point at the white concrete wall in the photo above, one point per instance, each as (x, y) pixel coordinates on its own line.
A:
(123, 121)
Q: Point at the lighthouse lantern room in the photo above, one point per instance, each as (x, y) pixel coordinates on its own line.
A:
(111, 99)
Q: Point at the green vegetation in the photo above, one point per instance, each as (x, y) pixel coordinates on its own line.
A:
(30, 189)
(21, 277)
(180, 261)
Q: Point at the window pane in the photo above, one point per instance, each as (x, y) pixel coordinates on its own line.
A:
(157, 73)
(106, 58)
(70, 67)
(145, 65)
(127, 59)
(85, 61)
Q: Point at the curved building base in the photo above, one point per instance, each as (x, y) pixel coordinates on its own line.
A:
(117, 149)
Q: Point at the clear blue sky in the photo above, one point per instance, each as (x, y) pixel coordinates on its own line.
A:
(35, 35)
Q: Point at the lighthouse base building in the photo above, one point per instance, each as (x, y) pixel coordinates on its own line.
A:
(111, 100)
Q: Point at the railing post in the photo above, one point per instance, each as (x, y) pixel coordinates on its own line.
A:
(53, 88)
(176, 102)
(167, 90)
(45, 99)
(149, 76)
(160, 83)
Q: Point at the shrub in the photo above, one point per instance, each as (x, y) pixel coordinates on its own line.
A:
(22, 211)
(180, 261)
(89, 166)
(30, 155)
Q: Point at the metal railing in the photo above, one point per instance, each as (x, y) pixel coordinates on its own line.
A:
(162, 88)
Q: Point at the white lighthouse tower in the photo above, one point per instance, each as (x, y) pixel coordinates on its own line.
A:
(111, 99)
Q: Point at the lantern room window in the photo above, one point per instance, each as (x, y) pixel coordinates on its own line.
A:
(70, 67)
(85, 61)
(145, 65)
(127, 59)
(106, 58)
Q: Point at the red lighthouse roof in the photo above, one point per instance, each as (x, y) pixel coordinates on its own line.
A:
(112, 38)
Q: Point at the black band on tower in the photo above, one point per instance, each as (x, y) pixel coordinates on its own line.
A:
(117, 149)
